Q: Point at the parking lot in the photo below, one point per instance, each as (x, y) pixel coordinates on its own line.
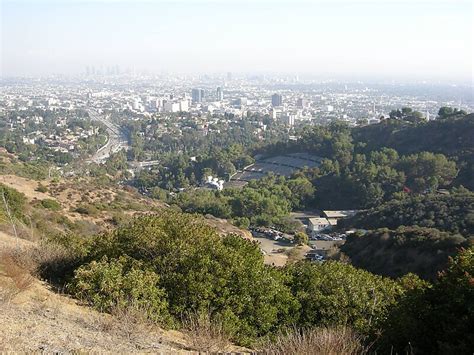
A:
(270, 248)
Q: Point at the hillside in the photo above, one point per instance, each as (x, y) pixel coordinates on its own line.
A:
(451, 213)
(452, 137)
(394, 253)
(79, 206)
(82, 206)
(32, 312)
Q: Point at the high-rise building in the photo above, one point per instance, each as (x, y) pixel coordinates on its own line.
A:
(196, 95)
(241, 101)
(183, 105)
(171, 107)
(220, 94)
(302, 103)
(229, 76)
(288, 120)
(277, 100)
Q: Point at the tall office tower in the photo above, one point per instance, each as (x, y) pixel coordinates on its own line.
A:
(277, 100)
(202, 94)
(184, 106)
(196, 95)
(229, 76)
(302, 103)
(220, 94)
(241, 101)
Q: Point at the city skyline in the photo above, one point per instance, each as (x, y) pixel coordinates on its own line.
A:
(420, 40)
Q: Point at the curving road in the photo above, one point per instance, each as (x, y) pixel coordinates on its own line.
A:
(117, 139)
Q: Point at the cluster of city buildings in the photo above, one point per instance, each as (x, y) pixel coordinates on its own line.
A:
(204, 99)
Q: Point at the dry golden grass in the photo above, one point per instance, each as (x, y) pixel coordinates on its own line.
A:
(317, 341)
(7, 293)
(205, 334)
(17, 274)
(129, 321)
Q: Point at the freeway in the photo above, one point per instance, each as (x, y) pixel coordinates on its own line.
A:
(117, 139)
(138, 165)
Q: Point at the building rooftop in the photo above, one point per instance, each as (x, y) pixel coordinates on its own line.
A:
(318, 221)
(339, 214)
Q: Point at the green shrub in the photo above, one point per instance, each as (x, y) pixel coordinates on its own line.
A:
(41, 188)
(334, 293)
(301, 238)
(121, 283)
(51, 204)
(202, 272)
(176, 264)
(89, 210)
(241, 222)
(394, 253)
(15, 200)
(437, 319)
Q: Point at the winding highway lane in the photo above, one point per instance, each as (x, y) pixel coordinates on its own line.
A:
(117, 139)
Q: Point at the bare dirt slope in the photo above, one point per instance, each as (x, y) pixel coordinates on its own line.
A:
(26, 186)
(39, 320)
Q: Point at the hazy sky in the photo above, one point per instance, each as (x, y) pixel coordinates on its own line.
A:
(420, 39)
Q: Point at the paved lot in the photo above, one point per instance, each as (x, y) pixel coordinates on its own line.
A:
(269, 246)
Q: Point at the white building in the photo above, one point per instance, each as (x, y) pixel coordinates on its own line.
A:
(318, 224)
(171, 107)
(184, 106)
(214, 183)
(288, 120)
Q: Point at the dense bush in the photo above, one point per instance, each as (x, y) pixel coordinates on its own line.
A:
(423, 251)
(15, 202)
(121, 283)
(51, 204)
(437, 319)
(451, 137)
(199, 271)
(452, 213)
(334, 293)
(265, 202)
(41, 188)
(174, 265)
